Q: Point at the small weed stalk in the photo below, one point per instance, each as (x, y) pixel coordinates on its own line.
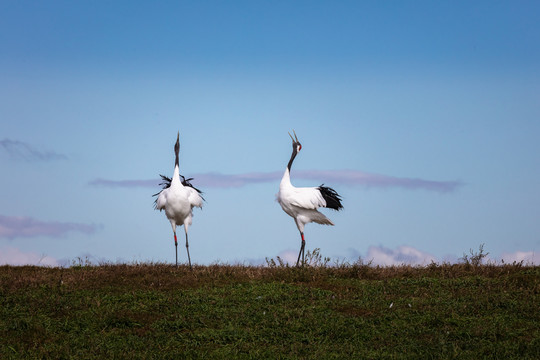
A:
(315, 259)
(279, 262)
(475, 258)
(79, 262)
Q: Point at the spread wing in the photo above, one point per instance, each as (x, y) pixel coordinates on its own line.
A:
(195, 195)
(187, 183)
(161, 200)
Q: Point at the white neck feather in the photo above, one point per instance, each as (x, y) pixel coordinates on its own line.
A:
(176, 176)
(286, 179)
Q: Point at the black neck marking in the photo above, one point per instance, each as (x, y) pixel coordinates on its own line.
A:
(293, 155)
(177, 150)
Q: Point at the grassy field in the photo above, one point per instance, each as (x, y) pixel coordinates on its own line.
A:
(465, 311)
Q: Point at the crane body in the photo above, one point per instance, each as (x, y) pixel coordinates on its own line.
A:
(178, 198)
(301, 203)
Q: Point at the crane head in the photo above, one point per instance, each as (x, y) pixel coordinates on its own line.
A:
(295, 143)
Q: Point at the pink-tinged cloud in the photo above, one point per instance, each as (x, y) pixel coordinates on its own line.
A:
(403, 255)
(218, 180)
(19, 150)
(21, 226)
(13, 256)
(124, 183)
(331, 178)
(376, 256)
(360, 178)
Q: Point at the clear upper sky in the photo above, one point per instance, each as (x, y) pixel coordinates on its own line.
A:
(423, 115)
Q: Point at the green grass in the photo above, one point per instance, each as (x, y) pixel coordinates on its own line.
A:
(358, 311)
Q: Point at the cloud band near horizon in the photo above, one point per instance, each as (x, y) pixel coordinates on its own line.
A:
(22, 226)
(333, 178)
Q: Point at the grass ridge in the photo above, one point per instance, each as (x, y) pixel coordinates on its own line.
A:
(153, 310)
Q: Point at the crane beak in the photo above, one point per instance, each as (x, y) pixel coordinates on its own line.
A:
(295, 139)
(177, 145)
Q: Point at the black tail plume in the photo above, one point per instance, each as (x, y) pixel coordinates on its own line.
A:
(332, 198)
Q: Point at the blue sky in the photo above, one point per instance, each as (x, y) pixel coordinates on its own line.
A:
(423, 115)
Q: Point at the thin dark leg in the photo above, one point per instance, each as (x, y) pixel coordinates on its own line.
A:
(176, 248)
(301, 251)
(187, 248)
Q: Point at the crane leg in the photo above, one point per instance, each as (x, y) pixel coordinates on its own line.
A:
(187, 248)
(303, 250)
(301, 253)
(176, 248)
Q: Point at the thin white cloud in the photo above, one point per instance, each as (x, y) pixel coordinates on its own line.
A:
(13, 256)
(21, 226)
(19, 150)
(333, 178)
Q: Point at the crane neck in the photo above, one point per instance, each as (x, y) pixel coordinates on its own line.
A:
(293, 155)
(286, 179)
(176, 174)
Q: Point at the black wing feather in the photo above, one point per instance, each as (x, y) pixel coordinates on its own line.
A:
(187, 182)
(332, 198)
(165, 183)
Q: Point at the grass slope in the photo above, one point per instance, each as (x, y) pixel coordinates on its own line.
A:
(220, 311)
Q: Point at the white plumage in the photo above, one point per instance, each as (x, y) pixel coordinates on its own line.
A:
(178, 198)
(178, 201)
(301, 203)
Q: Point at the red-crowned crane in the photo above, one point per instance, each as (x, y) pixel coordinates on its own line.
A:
(301, 203)
(178, 198)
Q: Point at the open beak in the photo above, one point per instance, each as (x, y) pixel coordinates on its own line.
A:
(295, 139)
